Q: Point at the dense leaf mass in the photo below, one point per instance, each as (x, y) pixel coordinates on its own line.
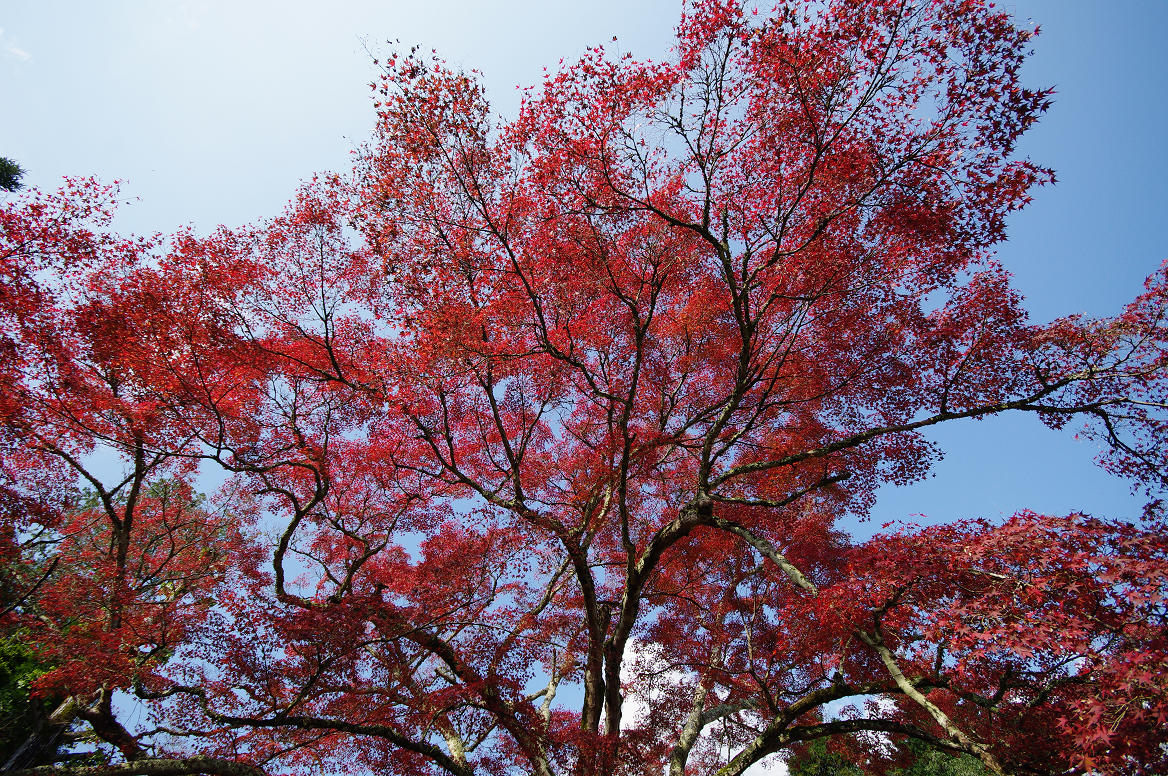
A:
(536, 435)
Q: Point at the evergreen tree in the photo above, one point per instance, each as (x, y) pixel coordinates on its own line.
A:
(10, 174)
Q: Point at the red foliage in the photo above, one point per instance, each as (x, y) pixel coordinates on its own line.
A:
(537, 434)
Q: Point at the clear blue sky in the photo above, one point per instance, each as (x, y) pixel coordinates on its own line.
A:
(212, 111)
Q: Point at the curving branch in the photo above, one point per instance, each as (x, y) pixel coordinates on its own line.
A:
(190, 766)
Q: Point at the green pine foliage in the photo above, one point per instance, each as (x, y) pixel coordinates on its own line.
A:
(922, 759)
(816, 760)
(10, 174)
(927, 761)
(20, 713)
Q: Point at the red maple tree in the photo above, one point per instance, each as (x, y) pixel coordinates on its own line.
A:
(538, 434)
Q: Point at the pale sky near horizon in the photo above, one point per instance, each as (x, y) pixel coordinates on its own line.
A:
(211, 112)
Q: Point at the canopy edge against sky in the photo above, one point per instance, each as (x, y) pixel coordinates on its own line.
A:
(211, 112)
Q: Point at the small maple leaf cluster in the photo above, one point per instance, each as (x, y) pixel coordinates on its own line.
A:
(536, 435)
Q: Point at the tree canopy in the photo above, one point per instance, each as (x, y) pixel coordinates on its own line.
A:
(10, 174)
(539, 435)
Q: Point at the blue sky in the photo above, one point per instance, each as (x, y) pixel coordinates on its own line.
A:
(211, 112)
